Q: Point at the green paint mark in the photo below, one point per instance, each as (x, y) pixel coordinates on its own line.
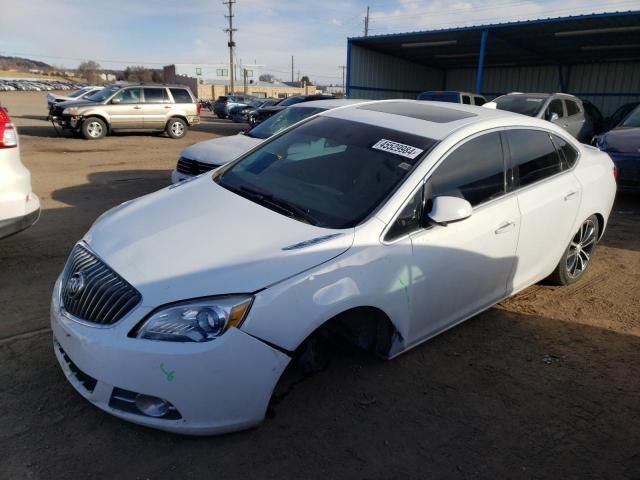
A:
(406, 291)
(169, 375)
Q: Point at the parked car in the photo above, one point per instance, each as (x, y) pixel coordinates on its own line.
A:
(562, 109)
(84, 92)
(623, 146)
(19, 206)
(221, 103)
(148, 107)
(465, 98)
(618, 116)
(205, 156)
(386, 223)
(263, 113)
(237, 111)
(594, 116)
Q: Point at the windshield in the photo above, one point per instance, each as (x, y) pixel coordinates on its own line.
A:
(524, 104)
(103, 94)
(290, 101)
(328, 172)
(282, 120)
(633, 119)
(78, 92)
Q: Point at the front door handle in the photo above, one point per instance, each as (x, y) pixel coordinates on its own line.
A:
(137, 108)
(167, 107)
(570, 196)
(505, 227)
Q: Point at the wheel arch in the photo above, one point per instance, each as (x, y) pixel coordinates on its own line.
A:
(96, 115)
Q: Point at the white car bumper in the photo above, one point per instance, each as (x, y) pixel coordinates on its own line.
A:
(18, 212)
(214, 387)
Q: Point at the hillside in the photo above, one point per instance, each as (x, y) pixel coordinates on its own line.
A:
(19, 63)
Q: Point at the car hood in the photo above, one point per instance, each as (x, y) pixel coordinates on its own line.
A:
(623, 140)
(198, 239)
(75, 103)
(219, 151)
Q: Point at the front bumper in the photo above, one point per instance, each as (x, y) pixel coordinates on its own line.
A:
(217, 387)
(628, 166)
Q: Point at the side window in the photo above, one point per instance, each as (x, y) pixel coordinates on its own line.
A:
(554, 107)
(572, 107)
(155, 95)
(479, 101)
(466, 100)
(533, 156)
(129, 95)
(409, 219)
(474, 171)
(568, 154)
(181, 95)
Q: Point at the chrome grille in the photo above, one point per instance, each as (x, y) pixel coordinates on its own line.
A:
(92, 292)
(193, 167)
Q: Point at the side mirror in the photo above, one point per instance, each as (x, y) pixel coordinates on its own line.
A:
(115, 101)
(446, 210)
(553, 117)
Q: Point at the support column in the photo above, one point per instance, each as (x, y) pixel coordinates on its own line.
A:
(480, 72)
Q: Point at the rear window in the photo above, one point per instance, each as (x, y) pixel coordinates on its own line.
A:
(180, 95)
(572, 107)
(156, 95)
(568, 154)
(450, 97)
(523, 104)
(533, 156)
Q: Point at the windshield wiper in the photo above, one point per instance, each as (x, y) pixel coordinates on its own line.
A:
(280, 204)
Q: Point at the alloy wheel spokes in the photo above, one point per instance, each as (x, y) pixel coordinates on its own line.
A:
(580, 249)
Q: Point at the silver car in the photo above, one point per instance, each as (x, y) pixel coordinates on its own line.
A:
(564, 110)
(148, 107)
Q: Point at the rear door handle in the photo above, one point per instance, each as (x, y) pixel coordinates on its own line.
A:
(570, 196)
(137, 108)
(505, 227)
(167, 106)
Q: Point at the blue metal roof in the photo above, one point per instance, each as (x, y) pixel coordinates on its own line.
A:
(492, 26)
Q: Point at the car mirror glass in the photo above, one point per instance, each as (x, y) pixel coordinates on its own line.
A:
(446, 210)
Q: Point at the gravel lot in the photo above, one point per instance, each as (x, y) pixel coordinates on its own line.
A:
(544, 385)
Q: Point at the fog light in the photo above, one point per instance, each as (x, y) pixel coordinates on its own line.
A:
(152, 406)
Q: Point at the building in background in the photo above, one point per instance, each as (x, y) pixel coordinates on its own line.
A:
(213, 80)
(595, 57)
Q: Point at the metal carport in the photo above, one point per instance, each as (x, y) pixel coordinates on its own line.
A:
(595, 56)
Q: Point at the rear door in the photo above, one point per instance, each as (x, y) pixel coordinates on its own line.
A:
(125, 110)
(155, 107)
(548, 198)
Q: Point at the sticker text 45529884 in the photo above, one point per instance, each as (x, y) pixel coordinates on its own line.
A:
(397, 148)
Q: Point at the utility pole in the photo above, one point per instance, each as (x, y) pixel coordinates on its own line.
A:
(291, 68)
(231, 43)
(244, 72)
(366, 23)
(342, 67)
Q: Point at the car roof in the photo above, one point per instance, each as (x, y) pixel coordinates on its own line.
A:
(435, 120)
(332, 103)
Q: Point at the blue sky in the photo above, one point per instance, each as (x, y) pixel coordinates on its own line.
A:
(159, 32)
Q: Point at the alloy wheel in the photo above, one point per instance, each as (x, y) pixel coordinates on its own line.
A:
(177, 129)
(581, 249)
(94, 129)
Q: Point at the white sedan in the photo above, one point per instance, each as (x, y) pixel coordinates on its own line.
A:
(19, 206)
(387, 222)
(81, 94)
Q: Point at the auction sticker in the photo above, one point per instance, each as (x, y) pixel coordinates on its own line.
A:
(398, 148)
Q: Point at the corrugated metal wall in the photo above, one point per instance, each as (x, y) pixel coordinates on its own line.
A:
(383, 76)
(378, 76)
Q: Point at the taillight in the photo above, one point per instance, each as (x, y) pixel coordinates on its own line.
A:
(615, 173)
(8, 133)
(199, 107)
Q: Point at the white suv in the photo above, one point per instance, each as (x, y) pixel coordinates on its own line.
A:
(19, 206)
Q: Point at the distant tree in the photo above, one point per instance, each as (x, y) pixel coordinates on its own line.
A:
(267, 77)
(306, 80)
(89, 70)
(156, 76)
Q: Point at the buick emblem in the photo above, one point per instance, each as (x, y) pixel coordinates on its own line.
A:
(75, 285)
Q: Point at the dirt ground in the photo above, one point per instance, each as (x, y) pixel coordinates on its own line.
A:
(544, 385)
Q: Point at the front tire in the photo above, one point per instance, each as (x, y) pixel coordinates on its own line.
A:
(176, 128)
(94, 128)
(577, 257)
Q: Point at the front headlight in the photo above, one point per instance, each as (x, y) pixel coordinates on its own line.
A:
(73, 111)
(195, 320)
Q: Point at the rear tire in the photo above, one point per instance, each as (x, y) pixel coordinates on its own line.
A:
(93, 128)
(577, 257)
(176, 128)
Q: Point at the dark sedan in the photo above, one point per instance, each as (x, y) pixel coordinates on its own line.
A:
(263, 113)
(623, 146)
